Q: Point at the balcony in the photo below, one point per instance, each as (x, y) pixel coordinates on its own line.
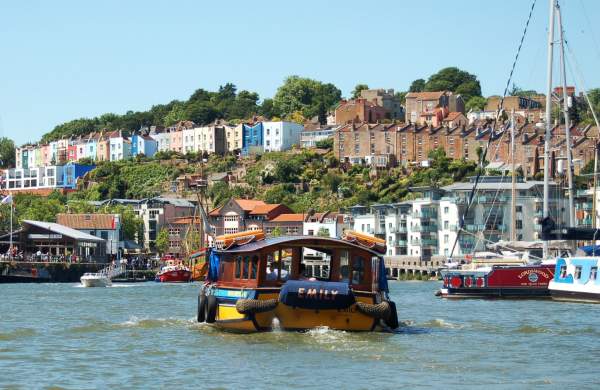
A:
(429, 242)
(400, 243)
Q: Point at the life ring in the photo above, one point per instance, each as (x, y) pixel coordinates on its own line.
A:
(480, 282)
(468, 281)
(211, 309)
(251, 306)
(201, 306)
(455, 282)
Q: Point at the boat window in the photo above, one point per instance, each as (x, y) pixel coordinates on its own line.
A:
(278, 264)
(344, 266)
(358, 270)
(246, 266)
(253, 267)
(593, 273)
(578, 272)
(238, 267)
(563, 271)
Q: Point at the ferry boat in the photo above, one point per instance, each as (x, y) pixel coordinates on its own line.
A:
(253, 281)
(174, 273)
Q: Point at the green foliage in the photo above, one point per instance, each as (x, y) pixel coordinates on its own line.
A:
(7, 153)
(358, 89)
(276, 232)
(310, 97)
(476, 103)
(516, 91)
(325, 143)
(417, 86)
(323, 232)
(36, 207)
(455, 80)
(161, 244)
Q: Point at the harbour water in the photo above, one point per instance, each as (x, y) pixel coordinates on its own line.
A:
(145, 336)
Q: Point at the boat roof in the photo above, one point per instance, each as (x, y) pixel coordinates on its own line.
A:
(315, 240)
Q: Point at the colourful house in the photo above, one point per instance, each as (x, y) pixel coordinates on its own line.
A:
(252, 139)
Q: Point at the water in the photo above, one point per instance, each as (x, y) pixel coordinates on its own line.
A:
(145, 336)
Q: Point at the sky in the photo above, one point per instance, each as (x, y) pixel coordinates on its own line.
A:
(61, 60)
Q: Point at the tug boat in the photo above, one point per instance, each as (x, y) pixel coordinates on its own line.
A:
(253, 281)
(174, 273)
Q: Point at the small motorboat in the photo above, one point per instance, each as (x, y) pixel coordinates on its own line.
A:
(99, 279)
(174, 274)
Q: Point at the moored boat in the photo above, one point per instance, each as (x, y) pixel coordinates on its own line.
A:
(174, 274)
(576, 280)
(499, 281)
(255, 280)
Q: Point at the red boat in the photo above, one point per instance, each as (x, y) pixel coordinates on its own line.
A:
(174, 274)
(501, 281)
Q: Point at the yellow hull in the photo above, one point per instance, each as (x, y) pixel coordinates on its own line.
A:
(290, 318)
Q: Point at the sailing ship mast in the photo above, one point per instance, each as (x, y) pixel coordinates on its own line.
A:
(513, 205)
(546, 208)
(567, 119)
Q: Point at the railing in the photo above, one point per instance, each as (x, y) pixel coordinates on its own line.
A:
(112, 271)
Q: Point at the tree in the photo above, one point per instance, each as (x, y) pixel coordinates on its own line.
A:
(476, 103)
(7, 153)
(311, 97)
(358, 89)
(177, 113)
(323, 232)
(454, 80)
(162, 241)
(325, 143)
(276, 232)
(417, 86)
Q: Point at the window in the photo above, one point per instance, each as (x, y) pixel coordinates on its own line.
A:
(344, 266)
(238, 267)
(578, 272)
(446, 210)
(446, 238)
(519, 208)
(358, 270)
(446, 225)
(519, 224)
(593, 273)
(311, 232)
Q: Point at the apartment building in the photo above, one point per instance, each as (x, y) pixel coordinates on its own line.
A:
(280, 136)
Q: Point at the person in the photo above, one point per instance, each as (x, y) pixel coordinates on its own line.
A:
(302, 274)
(273, 271)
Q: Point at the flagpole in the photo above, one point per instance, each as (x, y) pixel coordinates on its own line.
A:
(10, 239)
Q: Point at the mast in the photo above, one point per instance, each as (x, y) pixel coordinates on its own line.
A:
(567, 121)
(548, 118)
(594, 206)
(513, 202)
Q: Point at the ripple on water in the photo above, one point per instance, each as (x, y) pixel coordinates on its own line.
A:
(17, 334)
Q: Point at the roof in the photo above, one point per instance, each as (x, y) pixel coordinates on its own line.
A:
(316, 241)
(289, 218)
(87, 221)
(453, 115)
(425, 95)
(64, 230)
(248, 204)
(468, 186)
(264, 208)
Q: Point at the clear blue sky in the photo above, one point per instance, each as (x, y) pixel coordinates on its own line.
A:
(62, 60)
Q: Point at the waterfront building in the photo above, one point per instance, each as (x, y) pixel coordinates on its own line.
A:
(54, 239)
(210, 139)
(43, 179)
(161, 136)
(104, 226)
(288, 224)
(386, 99)
(238, 215)
(189, 140)
(155, 213)
(364, 143)
(280, 136)
(103, 148)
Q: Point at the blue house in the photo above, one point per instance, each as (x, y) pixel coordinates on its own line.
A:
(143, 144)
(252, 139)
(72, 172)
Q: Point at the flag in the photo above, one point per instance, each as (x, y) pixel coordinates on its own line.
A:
(7, 200)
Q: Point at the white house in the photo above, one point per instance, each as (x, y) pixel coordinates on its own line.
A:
(280, 136)
(120, 147)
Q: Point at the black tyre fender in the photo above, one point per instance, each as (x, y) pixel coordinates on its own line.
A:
(201, 306)
(392, 320)
(252, 306)
(211, 309)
